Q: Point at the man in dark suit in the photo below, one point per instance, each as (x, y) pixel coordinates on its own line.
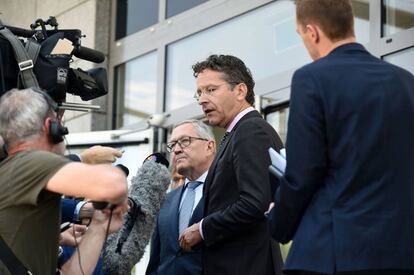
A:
(347, 195)
(193, 149)
(238, 187)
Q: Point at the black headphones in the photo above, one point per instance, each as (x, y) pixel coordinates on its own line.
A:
(56, 130)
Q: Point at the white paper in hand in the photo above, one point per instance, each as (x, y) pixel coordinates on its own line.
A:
(278, 161)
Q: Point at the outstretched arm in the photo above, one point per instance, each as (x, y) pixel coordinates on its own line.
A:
(96, 182)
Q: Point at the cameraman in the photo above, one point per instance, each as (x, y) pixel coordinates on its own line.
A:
(35, 174)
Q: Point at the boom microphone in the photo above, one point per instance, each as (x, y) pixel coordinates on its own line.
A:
(89, 54)
(147, 190)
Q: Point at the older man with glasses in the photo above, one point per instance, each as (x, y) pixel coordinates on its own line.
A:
(192, 147)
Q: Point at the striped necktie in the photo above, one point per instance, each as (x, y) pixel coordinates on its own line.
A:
(223, 139)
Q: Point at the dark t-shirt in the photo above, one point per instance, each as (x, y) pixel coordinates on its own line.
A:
(29, 214)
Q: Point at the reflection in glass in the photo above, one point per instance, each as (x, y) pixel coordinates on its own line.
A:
(133, 16)
(403, 59)
(137, 89)
(399, 15)
(361, 20)
(279, 119)
(177, 6)
(265, 39)
(274, 98)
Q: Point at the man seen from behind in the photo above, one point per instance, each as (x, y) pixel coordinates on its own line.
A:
(347, 195)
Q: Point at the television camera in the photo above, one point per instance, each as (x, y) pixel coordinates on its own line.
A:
(41, 57)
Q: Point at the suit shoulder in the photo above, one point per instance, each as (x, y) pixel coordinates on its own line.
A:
(170, 197)
(399, 71)
(251, 121)
(174, 192)
(256, 124)
(305, 72)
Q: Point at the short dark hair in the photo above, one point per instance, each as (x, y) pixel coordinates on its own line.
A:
(334, 17)
(233, 69)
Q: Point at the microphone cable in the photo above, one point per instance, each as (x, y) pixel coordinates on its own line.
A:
(106, 238)
(77, 250)
(73, 228)
(103, 247)
(106, 233)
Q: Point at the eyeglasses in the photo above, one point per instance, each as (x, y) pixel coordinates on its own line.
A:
(183, 142)
(209, 90)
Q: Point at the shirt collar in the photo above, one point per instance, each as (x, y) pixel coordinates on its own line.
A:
(201, 178)
(238, 117)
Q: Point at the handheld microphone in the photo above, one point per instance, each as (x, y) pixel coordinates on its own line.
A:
(123, 168)
(100, 205)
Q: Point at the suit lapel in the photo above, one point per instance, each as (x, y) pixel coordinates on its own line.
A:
(214, 164)
(212, 170)
(174, 211)
(198, 212)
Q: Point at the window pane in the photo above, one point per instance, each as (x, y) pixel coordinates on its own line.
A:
(137, 89)
(403, 59)
(399, 15)
(176, 6)
(265, 39)
(361, 20)
(133, 16)
(279, 120)
(276, 97)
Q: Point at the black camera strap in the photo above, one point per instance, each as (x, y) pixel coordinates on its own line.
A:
(24, 61)
(10, 260)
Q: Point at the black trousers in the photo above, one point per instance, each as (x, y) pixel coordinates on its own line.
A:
(361, 272)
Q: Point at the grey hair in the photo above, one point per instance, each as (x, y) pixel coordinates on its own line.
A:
(202, 129)
(22, 113)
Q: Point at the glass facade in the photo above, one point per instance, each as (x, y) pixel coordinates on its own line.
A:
(136, 94)
(261, 33)
(265, 39)
(270, 29)
(403, 59)
(177, 6)
(361, 20)
(279, 119)
(275, 107)
(133, 16)
(398, 16)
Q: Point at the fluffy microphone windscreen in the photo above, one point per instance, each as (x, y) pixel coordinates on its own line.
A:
(148, 189)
